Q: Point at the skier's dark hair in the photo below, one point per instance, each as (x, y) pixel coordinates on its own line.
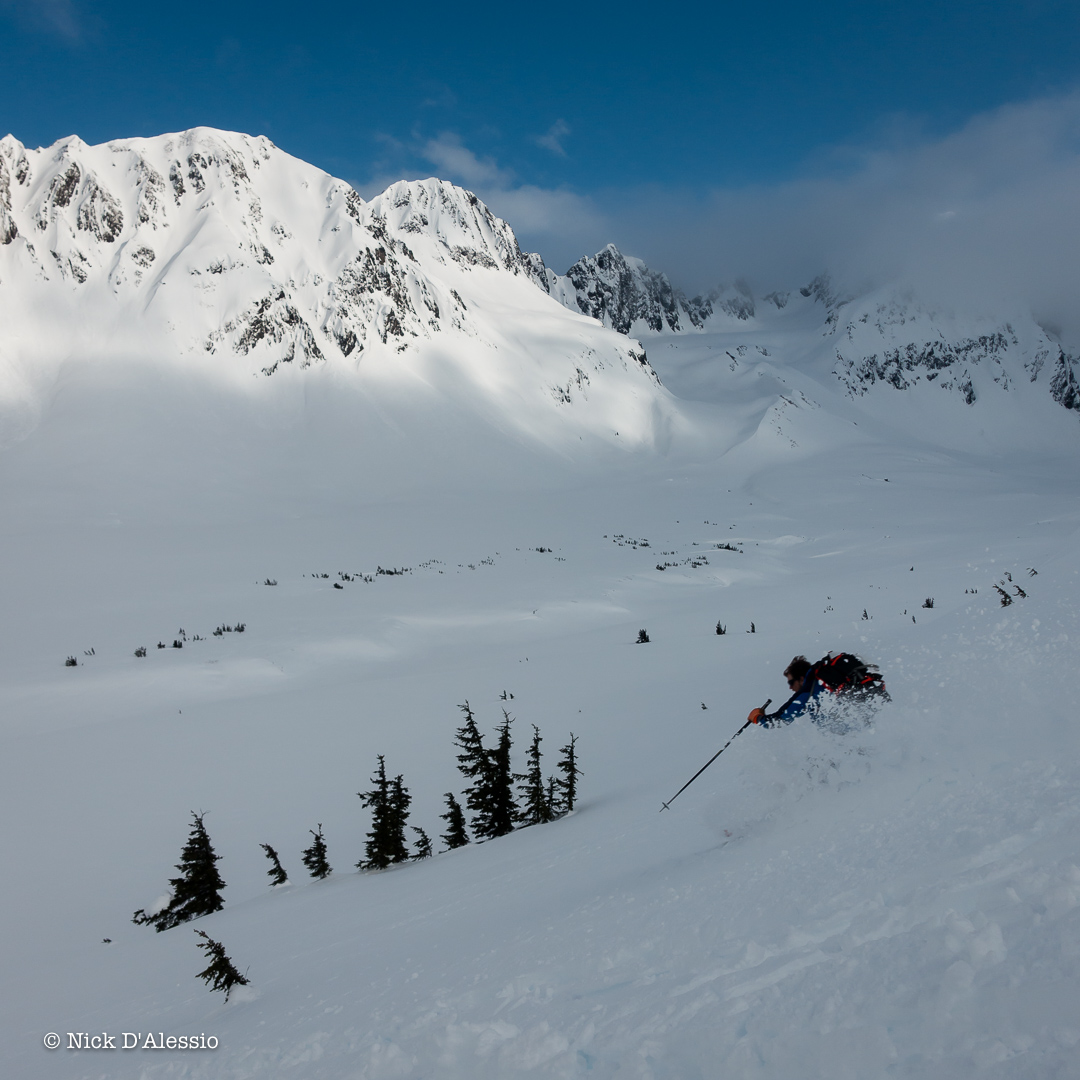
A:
(797, 669)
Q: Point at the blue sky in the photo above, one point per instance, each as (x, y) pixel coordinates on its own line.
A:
(579, 123)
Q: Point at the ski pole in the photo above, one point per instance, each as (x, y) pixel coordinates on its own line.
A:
(664, 806)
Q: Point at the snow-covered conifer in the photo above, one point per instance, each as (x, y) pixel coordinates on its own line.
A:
(197, 891)
(314, 857)
(276, 873)
(456, 835)
(221, 974)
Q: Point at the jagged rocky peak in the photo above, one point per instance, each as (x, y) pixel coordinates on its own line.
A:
(457, 221)
(620, 292)
(623, 293)
(735, 300)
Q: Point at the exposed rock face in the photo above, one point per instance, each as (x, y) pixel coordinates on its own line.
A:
(896, 340)
(1063, 384)
(620, 292)
(624, 294)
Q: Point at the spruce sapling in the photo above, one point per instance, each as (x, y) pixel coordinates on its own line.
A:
(474, 763)
(276, 873)
(377, 800)
(567, 783)
(388, 801)
(537, 807)
(504, 808)
(400, 800)
(455, 835)
(221, 974)
(423, 844)
(314, 857)
(198, 889)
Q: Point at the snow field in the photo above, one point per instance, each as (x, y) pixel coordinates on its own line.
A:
(899, 901)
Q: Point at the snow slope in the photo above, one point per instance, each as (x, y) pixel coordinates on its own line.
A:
(902, 900)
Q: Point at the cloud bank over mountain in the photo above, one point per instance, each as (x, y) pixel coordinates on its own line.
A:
(985, 216)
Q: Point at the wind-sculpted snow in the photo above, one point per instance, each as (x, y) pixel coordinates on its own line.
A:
(214, 244)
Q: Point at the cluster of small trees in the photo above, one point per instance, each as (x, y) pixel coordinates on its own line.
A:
(498, 799)
(496, 808)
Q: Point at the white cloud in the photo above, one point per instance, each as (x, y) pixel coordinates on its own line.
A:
(53, 16)
(553, 139)
(988, 215)
(457, 162)
(550, 212)
(556, 219)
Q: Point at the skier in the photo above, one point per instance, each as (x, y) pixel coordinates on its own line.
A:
(844, 674)
(805, 692)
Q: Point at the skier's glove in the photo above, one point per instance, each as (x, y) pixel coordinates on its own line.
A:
(756, 716)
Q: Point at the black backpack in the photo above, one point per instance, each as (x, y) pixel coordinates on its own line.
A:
(849, 676)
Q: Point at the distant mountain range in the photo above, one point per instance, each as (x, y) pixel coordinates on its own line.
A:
(215, 243)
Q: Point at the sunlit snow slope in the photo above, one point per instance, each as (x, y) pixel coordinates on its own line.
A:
(902, 900)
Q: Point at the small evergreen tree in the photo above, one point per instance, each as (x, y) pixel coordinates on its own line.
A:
(504, 807)
(400, 800)
(314, 857)
(491, 795)
(423, 844)
(221, 974)
(537, 806)
(474, 764)
(455, 835)
(388, 801)
(567, 783)
(553, 797)
(276, 873)
(197, 891)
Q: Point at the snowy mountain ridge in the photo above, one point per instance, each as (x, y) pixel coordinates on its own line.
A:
(885, 336)
(216, 244)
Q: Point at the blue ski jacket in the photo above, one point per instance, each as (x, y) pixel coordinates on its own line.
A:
(805, 700)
